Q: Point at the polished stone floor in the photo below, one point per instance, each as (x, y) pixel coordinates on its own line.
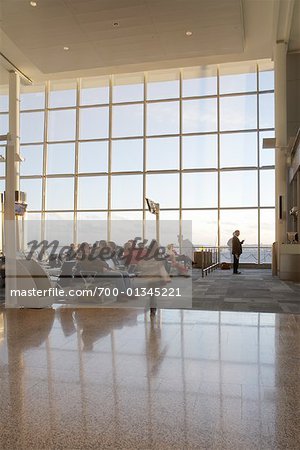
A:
(116, 379)
(255, 290)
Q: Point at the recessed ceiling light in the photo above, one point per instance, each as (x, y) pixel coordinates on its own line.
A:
(189, 33)
(66, 48)
(33, 3)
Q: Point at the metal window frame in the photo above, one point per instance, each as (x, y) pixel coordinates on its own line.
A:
(180, 171)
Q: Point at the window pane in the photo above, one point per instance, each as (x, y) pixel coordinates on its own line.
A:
(93, 157)
(92, 192)
(127, 120)
(244, 220)
(238, 113)
(200, 190)
(163, 189)
(4, 98)
(198, 81)
(168, 228)
(94, 91)
(2, 185)
(127, 155)
(33, 163)
(61, 158)
(237, 78)
(129, 216)
(59, 216)
(127, 191)
(32, 227)
(3, 123)
(91, 215)
(2, 165)
(204, 227)
(162, 153)
(266, 76)
(266, 80)
(91, 226)
(266, 254)
(249, 255)
(266, 111)
(32, 97)
(163, 118)
(267, 155)
(33, 189)
(128, 88)
(60, 193)
(60, 226)
(267, 226)
(126, 225)
(199, 115)
(235, 189)
(163, 84)
(267, 187)
(93, 123)
(62, 93)
(62, 125)
(32, 127)
(199, 152)
(238, 150)
(34, 216)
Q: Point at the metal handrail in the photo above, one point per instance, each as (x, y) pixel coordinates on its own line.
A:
(253, 254)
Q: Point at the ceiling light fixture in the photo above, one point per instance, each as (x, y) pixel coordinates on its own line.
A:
(189, 33)
(33, 4)
(66, 48)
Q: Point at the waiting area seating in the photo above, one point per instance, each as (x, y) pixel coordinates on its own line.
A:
(103, 264)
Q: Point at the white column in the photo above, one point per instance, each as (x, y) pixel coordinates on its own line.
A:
(11, 184)
(280, 50)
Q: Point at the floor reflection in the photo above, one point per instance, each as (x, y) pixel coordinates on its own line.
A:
(108, 378)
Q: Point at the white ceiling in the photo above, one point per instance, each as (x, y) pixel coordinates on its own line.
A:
(151, 34)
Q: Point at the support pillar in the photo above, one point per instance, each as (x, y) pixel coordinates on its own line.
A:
(280, 51)
(11, 185)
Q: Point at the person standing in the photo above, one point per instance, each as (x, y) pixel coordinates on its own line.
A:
(237, 250)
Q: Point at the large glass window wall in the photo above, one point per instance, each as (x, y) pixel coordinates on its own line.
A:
(190, 139)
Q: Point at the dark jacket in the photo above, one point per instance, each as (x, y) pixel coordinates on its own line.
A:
(236, 246)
